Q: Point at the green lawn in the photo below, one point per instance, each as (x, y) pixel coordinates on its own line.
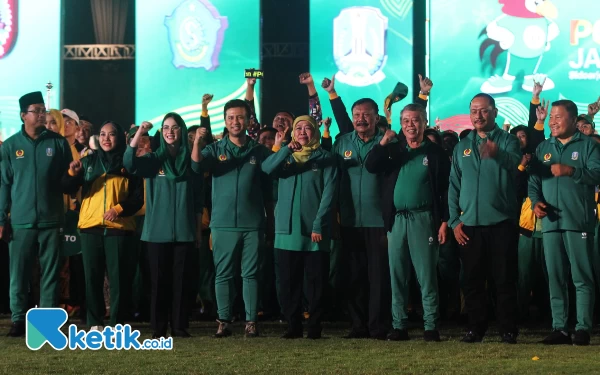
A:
(270, 354)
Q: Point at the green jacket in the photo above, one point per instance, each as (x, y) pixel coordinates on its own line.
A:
(484, 190)
(240, 188)
(31, 188)
(318, 189)
(359, 191)
(570, 200)
(172, 206)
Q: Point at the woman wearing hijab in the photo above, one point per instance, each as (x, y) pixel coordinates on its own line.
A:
(111, 196)
(173, 222)
(303, 218)
(55, 122)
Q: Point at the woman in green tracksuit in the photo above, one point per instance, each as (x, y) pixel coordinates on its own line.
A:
(110, 198)
(303, 218)
(173, 222)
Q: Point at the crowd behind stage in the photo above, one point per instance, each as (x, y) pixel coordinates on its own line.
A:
(280, 221)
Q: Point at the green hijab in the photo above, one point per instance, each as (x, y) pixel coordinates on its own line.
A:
(175, 168)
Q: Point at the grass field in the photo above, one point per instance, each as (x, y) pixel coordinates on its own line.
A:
(269, 354)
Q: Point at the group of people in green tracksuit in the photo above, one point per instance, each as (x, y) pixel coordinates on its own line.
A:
(520, 210)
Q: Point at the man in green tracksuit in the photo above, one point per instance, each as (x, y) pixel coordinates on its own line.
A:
(33, 161)
(415, 213)
(561, 187)
(241, 194)
(483, 214)
(364, 241)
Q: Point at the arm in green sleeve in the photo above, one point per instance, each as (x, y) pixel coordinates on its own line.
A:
(146, 166)
(271, 164)
(511, 157)
(454, 191)
(209, 159)
(5, 185)
(198, 188)
(590, 174)
(324, 214)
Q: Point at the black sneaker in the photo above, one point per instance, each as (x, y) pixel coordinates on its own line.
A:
(431, 336)
(472, 337)
(17, 329)
(398, 335)
(509, 338)
(251, 330)
(356, 334)
(581, 338)
(180, 333)
(557, 337)
(313, 334)
(223, 330)
(292, 334)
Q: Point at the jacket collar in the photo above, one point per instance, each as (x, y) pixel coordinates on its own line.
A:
(576, 137)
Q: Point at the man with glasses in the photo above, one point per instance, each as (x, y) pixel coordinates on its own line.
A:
(483, 213)
(33, 162)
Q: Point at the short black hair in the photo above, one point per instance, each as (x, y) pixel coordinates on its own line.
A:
(366, 101)
(435, 133)
(464, 134)
(487, 96)
(237, 103)
(193, 128)
(289, 113)
(267, 129)
(520, 128)
(569, 106)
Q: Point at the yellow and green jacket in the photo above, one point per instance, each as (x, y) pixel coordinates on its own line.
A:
(102, 191)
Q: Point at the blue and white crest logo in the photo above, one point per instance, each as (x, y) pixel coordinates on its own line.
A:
(575, 155)
(359, 36)
(49, 151)
(196, 34)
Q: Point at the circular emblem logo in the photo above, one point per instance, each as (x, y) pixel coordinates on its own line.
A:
(467, 152)
(161, 172)
(20, 153)
(547, 157)
(347, 154)
(222, 157)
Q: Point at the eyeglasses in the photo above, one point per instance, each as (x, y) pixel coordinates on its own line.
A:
(39, 111)
(174, 128)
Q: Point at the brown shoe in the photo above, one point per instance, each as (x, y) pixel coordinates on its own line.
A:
(223, 330)
(251, 330)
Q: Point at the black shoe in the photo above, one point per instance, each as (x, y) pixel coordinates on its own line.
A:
(17, 329)
(398, 335)
(509, 338)
(251, 331)
(313, 334)
(356, 334)
(581, 338)
(180, 333)
(292, 334)
(223, 330)
(157, 335)
(557, 337)
(472, 337)
(431, 336)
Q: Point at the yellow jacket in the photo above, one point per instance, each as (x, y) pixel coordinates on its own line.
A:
(527, 219)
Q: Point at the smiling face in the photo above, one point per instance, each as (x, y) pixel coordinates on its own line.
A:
(364, 118)
(282, 120)
(585, 127)
(171, 131)
(561, 124)
(84, 133)
(108, 137)
(236, 121)
(267, 139)
(51, 123)
(483, 114)
(413, 125)
(303, 132)
(70, 127)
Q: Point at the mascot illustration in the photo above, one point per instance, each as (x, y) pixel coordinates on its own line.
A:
(524, 31)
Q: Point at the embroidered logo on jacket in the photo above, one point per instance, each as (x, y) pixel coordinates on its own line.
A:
(222, 157)
(49, 151)
(467, 152)
(425, 161)
(161, 173)
(20, 154)
(547, 157)
(575, 155)
(252, 160)
(347, 154)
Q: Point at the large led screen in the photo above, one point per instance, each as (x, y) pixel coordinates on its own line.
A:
(30, 56)
(185, 48)
(500, 46)
(366, 44)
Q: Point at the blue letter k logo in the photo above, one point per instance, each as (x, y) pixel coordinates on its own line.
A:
(43, 326)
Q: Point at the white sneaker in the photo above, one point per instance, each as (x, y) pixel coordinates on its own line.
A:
(97, 328)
